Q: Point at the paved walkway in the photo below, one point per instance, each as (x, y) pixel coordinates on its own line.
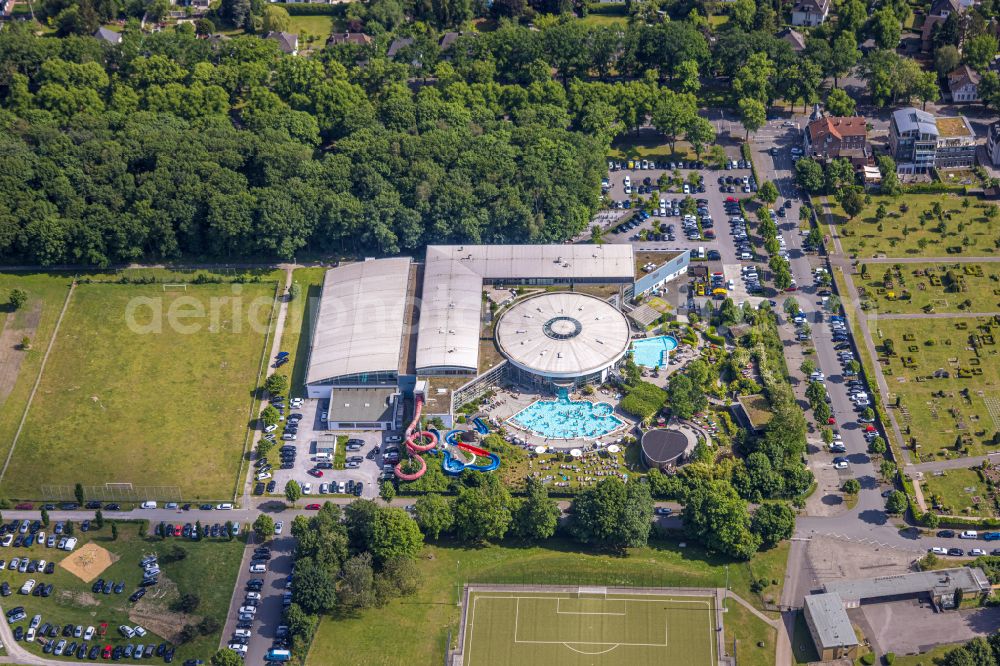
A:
(955, 463)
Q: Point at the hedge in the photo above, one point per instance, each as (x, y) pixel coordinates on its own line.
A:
(713, 337)
(310, 9)
(934, 188)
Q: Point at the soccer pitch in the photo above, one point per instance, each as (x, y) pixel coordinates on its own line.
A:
(588, 627)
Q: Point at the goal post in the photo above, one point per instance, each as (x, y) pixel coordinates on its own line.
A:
(175, 286)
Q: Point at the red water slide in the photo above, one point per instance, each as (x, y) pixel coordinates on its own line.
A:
(473, 449)
(415, 449)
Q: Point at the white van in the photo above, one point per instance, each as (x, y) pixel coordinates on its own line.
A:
(148, 504)
(324, 457)
(225, 506)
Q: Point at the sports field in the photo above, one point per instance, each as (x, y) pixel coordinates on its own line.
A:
(593, 628)
(145, 386)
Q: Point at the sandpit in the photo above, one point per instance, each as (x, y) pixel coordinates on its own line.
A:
(88, 562)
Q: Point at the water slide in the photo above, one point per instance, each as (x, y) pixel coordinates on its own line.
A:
(481, 426)
(453, 465)
(415, 449)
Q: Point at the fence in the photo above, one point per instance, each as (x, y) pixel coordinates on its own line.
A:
(113, 492)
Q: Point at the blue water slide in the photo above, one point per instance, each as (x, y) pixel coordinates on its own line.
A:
(480, 426)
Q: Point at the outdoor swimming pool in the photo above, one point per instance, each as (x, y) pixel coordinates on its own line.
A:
(652, 352)
(567, 419)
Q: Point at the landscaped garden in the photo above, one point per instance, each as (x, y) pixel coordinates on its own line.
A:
(930, 288)
(930, 225)
(146, 385)
(944, 373)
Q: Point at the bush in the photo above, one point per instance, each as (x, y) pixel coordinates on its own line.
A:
(297, 9)
(868, 659)
(889, 657)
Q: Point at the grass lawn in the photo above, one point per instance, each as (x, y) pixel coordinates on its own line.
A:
(527, 628)
(942, 288)
(208, 571)
(747, 630)
(956, 491)
(967, 230)
(929, 658)
(36, 319)
(427, 617)
(939, 410)
(317, 27)
(604, 19)
(298, 322)
(115, 399)
(630, 146)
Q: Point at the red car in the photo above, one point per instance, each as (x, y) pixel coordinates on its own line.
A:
(312, 507)
(24, 506)
(106, 652)
(178, 530)
(315, 472)
(831, 420)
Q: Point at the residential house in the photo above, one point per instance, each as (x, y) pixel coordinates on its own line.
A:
(357, 38)
(108, 35)
(397, 45)
(831, 138)
(920, 141)
(939, 12)
(448, 40)
(287, 42)
(810, 12)
(963, 84)
(795, 38)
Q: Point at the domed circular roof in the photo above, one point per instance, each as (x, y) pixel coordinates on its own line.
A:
(563, 334)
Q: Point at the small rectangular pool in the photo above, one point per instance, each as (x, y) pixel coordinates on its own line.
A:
(653, 352)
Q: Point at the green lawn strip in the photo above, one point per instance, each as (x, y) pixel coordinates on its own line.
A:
(938, 410)
(113, 401)
(951, 487)
(340, 454)
(929, 658)
(46, 295)
(426, 618)
(902, 234)
(941, 288)
(295, 337)
(208, 571)
(803, 648)
(747, 631)
(628, 146)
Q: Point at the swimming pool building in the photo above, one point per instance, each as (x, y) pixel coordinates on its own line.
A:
(386, 322)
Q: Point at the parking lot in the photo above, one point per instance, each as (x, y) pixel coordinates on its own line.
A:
(312, 438)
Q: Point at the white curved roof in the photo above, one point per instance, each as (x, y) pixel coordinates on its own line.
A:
(359, 326)
(563, 334)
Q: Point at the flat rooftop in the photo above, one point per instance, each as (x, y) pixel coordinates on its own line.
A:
(366, 405)
(833, 626)
(953, 126)
(943, 581)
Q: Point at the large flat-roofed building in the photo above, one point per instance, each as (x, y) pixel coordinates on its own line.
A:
(939, 586)
(382, 323)
(830, 627)
(449, 330)
(358, 330)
